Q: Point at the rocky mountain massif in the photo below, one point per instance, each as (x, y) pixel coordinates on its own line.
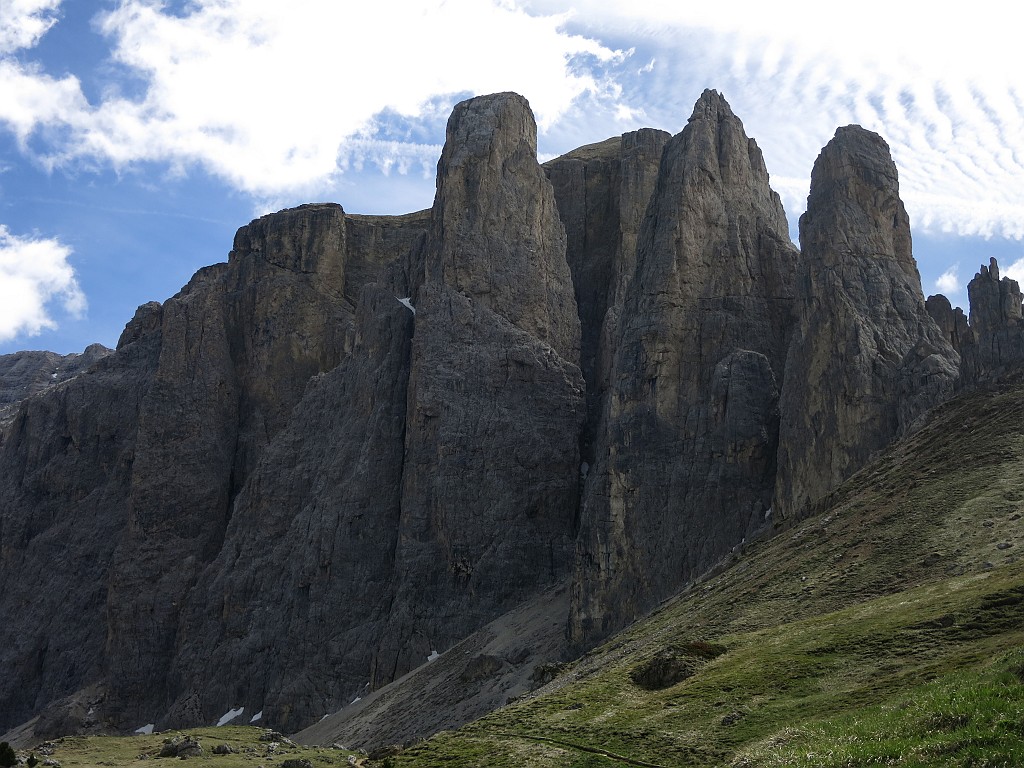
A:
(363, 438)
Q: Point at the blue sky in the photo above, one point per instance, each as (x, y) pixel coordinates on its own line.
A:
(136, 136)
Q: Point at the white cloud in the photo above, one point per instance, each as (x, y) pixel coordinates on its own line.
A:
(30, 99)
(281, 99)
(34, 273)
(1015, 271)
(948, 282)
(23, 22)
(268, 95)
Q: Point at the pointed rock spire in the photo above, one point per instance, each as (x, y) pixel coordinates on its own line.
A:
(866, 359)
(700, 349)
(496, 236)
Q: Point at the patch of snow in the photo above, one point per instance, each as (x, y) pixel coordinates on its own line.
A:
(53, 375)
(325, 717)
(256, 717)
(407, 303)
(357, 698)
(433, 655)
(230, 715)
(146, 730)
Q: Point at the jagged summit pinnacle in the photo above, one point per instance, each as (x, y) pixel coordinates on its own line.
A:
(710, 103)
(495, 226)
(501, 123)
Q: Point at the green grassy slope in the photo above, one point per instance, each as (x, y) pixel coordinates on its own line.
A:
(888, 630)
(247, 750)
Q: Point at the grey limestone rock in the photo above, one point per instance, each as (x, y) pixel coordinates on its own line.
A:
(430, 478)
(67, 459)
(23, 374)
(152, 445)
(684, 463)
(496, 397)
(239, 343)
(997, 324)
(602, 191)
(363, 438)
(954, 325)
(866, 359)
(992, 341)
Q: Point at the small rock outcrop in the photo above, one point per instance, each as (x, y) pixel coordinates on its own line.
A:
(997, 323)
(866, 359)
(23, 374)
(182, 747)
(992, 341)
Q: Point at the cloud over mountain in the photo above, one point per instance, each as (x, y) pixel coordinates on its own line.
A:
(34, 274)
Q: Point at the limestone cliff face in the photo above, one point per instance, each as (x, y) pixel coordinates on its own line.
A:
(602, 192)
(65, 485)
(303, 581)
(23, 374)
(239, 344)
(684, 467)
(866, 358)
(174, 422)
(427, 483)
(364, 437)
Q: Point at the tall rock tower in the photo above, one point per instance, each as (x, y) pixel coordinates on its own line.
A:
(685, 459)
(866, 358)
(496, 397)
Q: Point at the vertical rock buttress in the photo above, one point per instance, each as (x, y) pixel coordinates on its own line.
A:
(685, 456)
(496, 397)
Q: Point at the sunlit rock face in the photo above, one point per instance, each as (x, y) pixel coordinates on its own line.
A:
(866, 359)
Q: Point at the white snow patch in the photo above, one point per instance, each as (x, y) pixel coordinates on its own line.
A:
(433, 655)
(230, 715)
(146, 730)
(407, 303)
(256, 717)
(357, 698)
(325, 717)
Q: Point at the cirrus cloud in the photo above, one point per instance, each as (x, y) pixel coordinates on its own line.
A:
(941, 84)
